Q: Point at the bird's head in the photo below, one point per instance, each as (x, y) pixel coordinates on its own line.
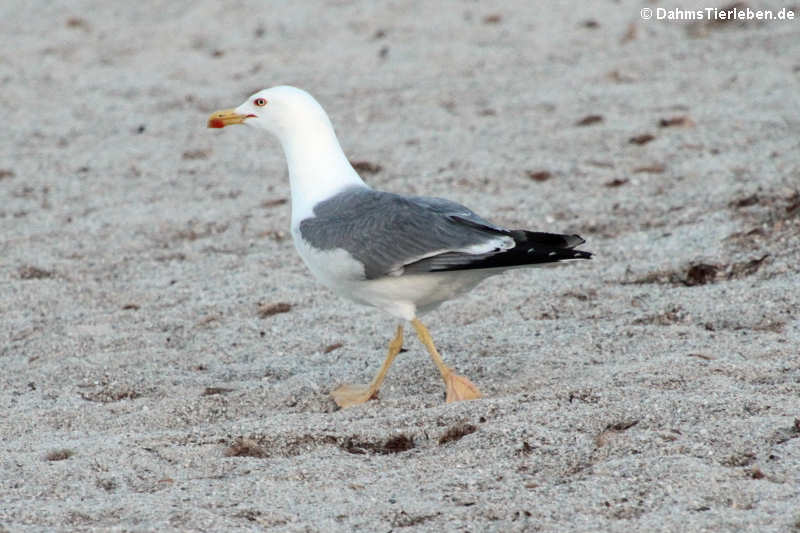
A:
(278, 110)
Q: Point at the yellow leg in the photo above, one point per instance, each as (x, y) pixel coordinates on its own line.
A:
(458, 387)
(349, 395)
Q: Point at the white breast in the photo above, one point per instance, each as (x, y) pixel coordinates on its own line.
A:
(331, 267)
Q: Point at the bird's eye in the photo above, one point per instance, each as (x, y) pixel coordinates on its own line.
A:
(260, 102)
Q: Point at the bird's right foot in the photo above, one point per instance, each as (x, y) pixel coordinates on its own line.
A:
(460, 388)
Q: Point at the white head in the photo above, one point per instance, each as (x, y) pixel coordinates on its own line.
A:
(280, 110)
(317, 166)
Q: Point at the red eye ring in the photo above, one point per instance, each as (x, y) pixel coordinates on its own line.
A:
(260, 102)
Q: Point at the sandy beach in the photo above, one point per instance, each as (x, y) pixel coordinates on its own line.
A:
(167, 358)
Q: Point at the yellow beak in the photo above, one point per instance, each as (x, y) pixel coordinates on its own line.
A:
(226, 117)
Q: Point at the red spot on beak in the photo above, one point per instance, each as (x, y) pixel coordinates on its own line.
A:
(216, 123)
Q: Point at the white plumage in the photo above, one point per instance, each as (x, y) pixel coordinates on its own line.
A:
(404, 255)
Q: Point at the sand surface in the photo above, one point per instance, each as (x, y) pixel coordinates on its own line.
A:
(150, 381)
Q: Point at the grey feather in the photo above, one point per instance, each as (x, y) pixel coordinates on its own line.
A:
(386, 231)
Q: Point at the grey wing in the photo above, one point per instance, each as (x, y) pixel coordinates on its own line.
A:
(386, 231)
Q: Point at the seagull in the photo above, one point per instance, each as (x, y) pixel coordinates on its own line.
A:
(402, 254)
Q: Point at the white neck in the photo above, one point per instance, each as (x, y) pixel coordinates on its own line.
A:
(318, 168)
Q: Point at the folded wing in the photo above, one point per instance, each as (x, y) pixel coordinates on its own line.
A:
(392, 235)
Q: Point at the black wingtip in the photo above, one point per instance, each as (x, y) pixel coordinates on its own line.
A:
(550, 247)
(531, 248)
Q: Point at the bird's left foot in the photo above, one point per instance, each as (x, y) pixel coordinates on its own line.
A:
(350, 395)
(460, 388)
